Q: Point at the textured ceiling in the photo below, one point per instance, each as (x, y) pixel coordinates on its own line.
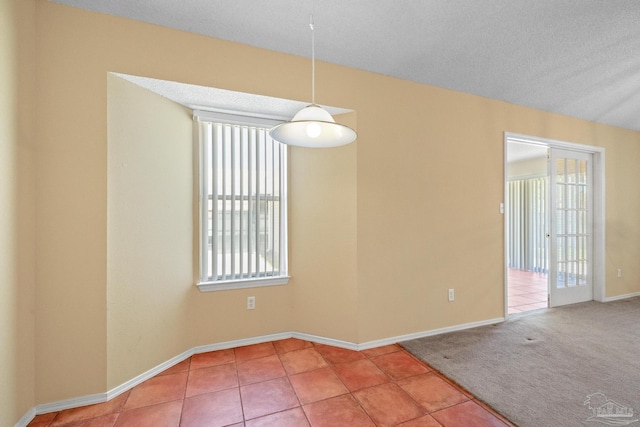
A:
(224, 101)
(575, 57)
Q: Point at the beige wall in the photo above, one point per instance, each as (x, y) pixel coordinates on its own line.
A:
(149, 228)
(17, 267)
(379, 229)
(155, 311)
(623, 211)
(430, 181)
(322, 240)
(71, 220)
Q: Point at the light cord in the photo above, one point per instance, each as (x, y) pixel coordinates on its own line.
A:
(313, 61)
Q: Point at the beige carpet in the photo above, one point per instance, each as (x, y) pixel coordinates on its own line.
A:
(549, 368)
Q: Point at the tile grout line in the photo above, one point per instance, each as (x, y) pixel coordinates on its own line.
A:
(184, 396)
(291, 385)
(351, 392)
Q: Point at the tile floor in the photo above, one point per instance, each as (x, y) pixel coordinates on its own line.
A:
(289, 383)
(526, 290)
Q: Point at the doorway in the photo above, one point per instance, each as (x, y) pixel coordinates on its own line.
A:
(527, 215)
(554, 216)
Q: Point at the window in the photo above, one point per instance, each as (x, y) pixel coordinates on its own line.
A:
(243, 209)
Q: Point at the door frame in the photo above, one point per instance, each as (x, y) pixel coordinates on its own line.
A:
(598, 156)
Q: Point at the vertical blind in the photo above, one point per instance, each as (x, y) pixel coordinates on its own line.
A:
(243, 195)
(528, 224)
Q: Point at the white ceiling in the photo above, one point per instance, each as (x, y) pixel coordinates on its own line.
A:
(519, 151)
(224, 101)
(575, 57)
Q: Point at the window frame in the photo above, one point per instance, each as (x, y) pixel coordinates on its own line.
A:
(203, 282)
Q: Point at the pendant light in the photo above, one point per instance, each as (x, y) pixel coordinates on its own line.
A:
(313, 126)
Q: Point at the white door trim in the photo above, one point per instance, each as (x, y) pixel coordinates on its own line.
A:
(599, 286)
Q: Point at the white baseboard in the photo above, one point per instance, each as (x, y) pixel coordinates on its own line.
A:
(241, 342)
(327, 341)
(26, 418)
(401, 338)
(71, 403)
(116, 391)
(128, 385)
(619, 297)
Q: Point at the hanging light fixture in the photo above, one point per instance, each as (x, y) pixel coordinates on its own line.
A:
(313, 126)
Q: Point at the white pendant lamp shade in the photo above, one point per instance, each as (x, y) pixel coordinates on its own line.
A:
(313, 127)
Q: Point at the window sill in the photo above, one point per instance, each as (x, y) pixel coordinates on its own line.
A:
(223, 285)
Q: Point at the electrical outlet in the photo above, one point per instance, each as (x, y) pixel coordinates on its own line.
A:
(619, 272)
(251, 303)
(451, 295)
